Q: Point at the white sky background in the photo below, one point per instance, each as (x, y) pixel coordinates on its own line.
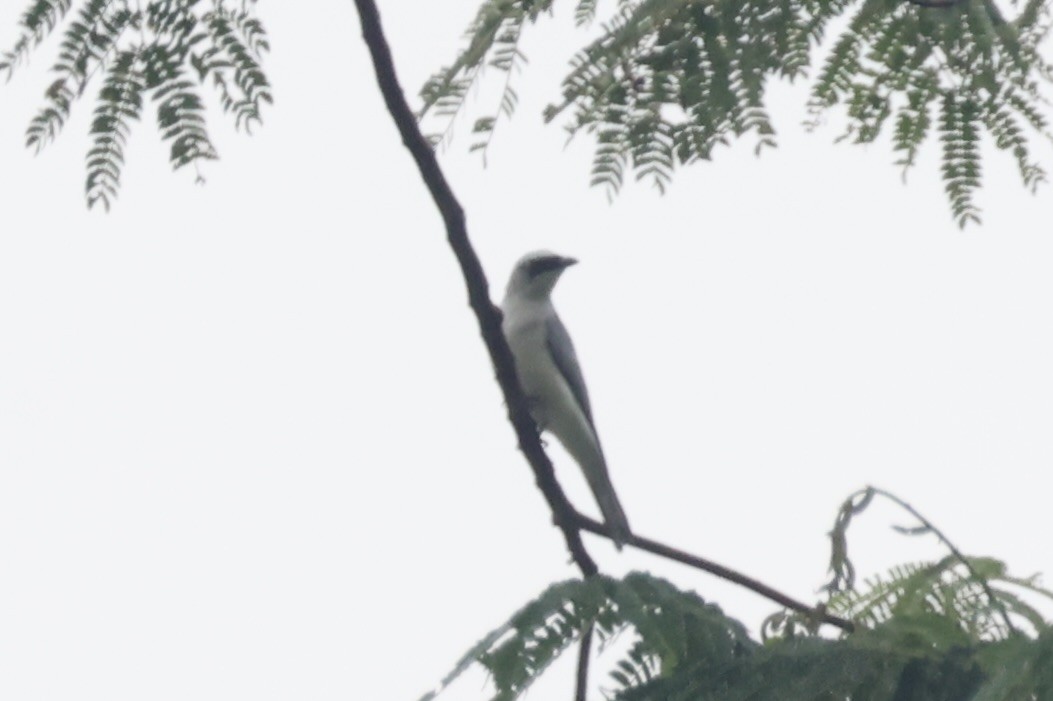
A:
(250, 443)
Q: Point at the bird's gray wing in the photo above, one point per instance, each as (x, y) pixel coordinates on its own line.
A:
(562, 351)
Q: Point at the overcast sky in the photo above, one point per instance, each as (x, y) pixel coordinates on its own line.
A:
(250, 443)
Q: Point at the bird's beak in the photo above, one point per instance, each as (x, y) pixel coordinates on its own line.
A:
(567, 262)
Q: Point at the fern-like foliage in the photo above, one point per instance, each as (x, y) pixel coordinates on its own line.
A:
(949, 590)
(906, 659)
(493, 41)
(684, 649)
(88, 40)
(966, 62)
(960, 629)
(120, 103)
(238, 43)
(163, 50)
(37, 22)
(977, 599)
(672, 628)
(668, 81)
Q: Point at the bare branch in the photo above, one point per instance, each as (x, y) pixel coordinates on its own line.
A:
(583, 664)
(478, 296)
(818, 613)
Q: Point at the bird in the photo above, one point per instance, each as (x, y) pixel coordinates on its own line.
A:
(550, 376)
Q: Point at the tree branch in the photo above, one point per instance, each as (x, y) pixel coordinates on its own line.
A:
(671, 553)
(583, 664)
(565, 516)
(487, 315)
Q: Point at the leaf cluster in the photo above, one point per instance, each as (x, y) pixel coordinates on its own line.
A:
(667, 81)
(975, 594)
(672, 628)
(686, 649)
(159, 51)
(958, 629)
(956, 70)
(493, 42)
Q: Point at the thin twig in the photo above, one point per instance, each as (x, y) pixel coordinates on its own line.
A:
(995, 601)
(652, 546)
(583, 664)
(475, 279)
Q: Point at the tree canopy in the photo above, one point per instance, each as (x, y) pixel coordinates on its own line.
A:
(957, 629)
(162, 51)
(667, 81)
(664, 84)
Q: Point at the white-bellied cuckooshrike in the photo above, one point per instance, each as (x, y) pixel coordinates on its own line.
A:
(551, 378)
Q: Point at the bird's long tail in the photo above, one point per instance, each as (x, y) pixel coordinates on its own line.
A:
(603, 490)
(584, 446)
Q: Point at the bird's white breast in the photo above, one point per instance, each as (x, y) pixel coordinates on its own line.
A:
(524, 327)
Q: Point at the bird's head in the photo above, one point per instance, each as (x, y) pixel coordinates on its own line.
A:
(536, 274)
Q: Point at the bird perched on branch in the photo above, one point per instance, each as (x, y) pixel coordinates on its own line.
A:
(551, 378)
